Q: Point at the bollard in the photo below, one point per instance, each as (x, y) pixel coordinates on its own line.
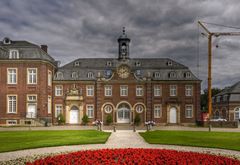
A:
(134, 128)
(210, 128)
(114, 128)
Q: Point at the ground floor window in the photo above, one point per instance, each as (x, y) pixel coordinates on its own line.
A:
(237, 114)
(90, 111)
(11, 122)
(58, 110)
(157, 111)
(189, 111)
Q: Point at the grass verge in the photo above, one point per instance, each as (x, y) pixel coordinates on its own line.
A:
(224, 140)
(18, 140)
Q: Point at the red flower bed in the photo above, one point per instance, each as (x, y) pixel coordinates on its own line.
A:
(135, 156)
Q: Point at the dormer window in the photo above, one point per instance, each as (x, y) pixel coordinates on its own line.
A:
(137, 63)
(187, 75)
(90, 75)
(14, 54)
(172, 75)
(109, 63)
(157, 74)
(6, 41)
(169, 63)
(59, 75)
(74, 75)
(77, 63)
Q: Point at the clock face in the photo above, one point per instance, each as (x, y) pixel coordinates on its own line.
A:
(108, 73)
(123, 71)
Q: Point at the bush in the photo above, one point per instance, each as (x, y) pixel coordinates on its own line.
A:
(109, 119)
(60, 119)
(137, 119)
(85, 119)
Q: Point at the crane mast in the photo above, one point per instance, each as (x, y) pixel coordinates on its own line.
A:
(210, 35)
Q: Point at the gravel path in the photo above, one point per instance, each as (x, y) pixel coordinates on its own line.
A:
(119, 139)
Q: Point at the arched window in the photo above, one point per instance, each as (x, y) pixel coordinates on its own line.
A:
(74, 75)
(216, 114)
(187, 75)
(108, 108)
(90, 75)
(237, 113)
(59, 75)
(224, 113)
(157, 74)
(172, 75)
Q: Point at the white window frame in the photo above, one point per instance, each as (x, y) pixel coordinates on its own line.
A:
(58, 107)
(188, 90)
(31, 76)
(139, 90)
(49, 104)
(188, 107)
(49, 78)
(157, 74)
(12, 78)
(157, 110)
(13, 121)
(90, 90)
(12, 109)
(237, 111)
(157, 90)
(31, 98)
(90, 110)
(173, 90)
(123, 90)
(58, 90)
(108, 90)
(90, 75)
(13, 54)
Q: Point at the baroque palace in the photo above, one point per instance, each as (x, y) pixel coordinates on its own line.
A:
(34, 88)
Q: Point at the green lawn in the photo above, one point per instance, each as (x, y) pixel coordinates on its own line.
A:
(226, 140)
(18, 140)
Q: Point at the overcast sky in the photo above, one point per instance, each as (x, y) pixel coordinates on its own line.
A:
(158, 28)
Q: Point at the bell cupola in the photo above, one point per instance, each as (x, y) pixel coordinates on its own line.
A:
(123, 45)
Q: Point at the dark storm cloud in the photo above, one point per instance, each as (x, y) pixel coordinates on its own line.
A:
(157, 28)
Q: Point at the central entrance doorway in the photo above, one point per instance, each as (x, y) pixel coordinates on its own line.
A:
(123, 113)
(74, 115)
(173, 115)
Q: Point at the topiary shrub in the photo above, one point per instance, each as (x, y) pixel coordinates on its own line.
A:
(60, 119)
(137, 119)
(85, 120)
(109, 119)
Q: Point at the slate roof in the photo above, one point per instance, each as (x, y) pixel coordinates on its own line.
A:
(145, 65)
(27, 51)
(232, 92)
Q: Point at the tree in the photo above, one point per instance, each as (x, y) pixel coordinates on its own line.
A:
(204, 98)
(109, 119)
(137, 119)
(85, 119)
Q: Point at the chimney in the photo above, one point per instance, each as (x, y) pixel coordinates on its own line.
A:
(44, 48)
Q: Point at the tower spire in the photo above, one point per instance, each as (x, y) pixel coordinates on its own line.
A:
(124, 31)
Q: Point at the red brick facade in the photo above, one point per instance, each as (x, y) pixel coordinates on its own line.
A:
(67, 93)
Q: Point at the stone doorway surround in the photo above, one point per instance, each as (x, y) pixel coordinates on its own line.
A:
(169, 106)
(74, 98)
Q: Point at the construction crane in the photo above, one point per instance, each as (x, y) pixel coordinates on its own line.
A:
(210, 35)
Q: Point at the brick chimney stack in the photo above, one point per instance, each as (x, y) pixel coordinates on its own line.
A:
(44, 48)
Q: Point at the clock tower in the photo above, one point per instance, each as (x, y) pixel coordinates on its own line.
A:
(123, 46)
